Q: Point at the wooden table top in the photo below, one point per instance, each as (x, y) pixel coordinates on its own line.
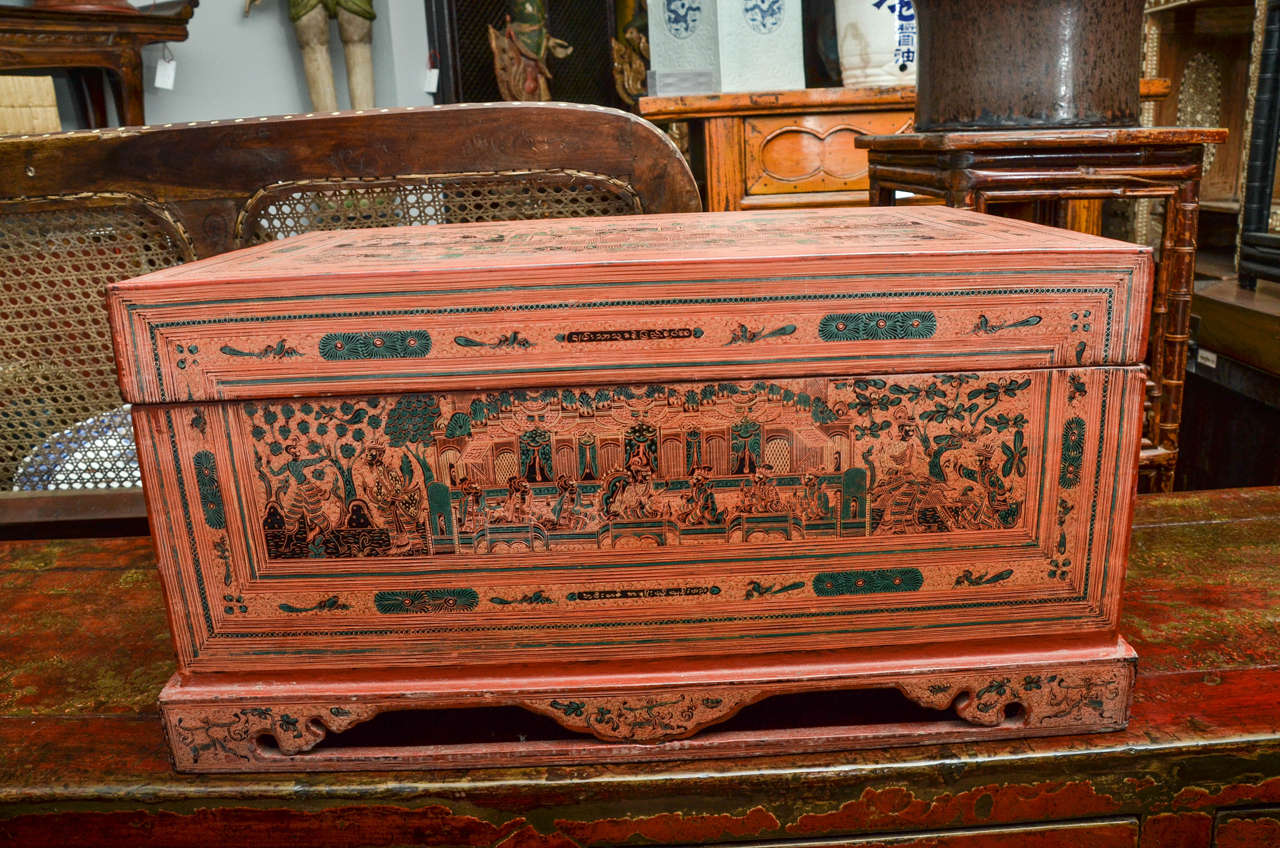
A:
(32, 32)
(86, 648)
(1041, 139)
(682, 107)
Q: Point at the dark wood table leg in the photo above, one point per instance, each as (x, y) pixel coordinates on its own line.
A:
(878, 195)
(126, 85)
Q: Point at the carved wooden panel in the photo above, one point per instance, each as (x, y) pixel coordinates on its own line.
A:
(794, 153)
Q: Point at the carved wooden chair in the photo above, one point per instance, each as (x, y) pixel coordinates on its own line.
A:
(87, 208)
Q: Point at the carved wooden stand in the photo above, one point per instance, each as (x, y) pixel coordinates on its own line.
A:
(214, 726)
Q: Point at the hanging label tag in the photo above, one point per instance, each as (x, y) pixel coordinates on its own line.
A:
(432, 81)
(166, 70)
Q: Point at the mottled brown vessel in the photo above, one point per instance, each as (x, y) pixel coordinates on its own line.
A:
(1028, 63)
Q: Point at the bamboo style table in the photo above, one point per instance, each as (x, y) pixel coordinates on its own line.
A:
(85, 649)
(1064, 176)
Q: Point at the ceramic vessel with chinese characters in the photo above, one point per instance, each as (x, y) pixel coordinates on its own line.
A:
(877, 40)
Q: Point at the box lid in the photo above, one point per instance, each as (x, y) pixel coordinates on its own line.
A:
(576, 301)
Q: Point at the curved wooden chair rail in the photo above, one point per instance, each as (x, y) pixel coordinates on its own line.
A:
(161, 195)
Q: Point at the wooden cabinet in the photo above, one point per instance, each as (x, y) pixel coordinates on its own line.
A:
(1120, 833)
(84, 653)
(787, 148)
(1258, 828)
(1203, 49)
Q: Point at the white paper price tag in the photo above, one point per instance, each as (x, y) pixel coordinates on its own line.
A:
(432, 81)
(166, 71)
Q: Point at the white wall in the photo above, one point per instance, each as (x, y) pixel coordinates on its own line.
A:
(233, 66)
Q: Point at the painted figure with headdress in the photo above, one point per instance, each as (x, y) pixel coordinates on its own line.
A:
(520, 51)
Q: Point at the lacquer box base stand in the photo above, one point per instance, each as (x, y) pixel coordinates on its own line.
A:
(639, 488)
(215, 726)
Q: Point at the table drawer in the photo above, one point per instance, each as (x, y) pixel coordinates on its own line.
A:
(1248, 828)
(1119, 833)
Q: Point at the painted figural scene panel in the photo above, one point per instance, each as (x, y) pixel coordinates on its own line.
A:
(559, 470)
(668, 517)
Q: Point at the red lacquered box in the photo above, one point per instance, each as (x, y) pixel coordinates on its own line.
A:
(638, 474)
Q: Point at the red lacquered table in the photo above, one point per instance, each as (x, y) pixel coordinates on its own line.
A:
(84, 650)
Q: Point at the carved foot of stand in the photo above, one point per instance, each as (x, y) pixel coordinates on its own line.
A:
(219, 728)
(1066, 699)
(223, 736)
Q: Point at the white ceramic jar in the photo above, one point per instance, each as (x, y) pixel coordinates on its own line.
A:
(878, 42)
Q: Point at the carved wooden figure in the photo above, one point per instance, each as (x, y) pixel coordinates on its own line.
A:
(637, 475)
(355, 27)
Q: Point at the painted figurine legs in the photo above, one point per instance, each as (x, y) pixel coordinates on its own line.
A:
(356, 32)
(357, 47)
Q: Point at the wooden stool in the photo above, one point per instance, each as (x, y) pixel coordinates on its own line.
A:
(1064, 175)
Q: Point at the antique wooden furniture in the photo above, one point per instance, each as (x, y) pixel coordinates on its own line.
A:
(527, 464)
(79, 210)
(87, 42)
(1205, 50)
(793, 148)
(1064, 175)
(1199, 764)
(785, 148)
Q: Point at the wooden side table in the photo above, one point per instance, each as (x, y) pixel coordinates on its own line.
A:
(786, 148)
(1063, 176)
(81, 41)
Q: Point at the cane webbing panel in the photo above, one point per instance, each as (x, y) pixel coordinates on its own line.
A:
(61, 421)
(291, 208)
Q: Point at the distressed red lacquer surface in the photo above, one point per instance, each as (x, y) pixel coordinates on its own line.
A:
(84, 752)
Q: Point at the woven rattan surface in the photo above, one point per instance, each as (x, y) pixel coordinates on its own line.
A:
(291, 208)
(62, 425)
